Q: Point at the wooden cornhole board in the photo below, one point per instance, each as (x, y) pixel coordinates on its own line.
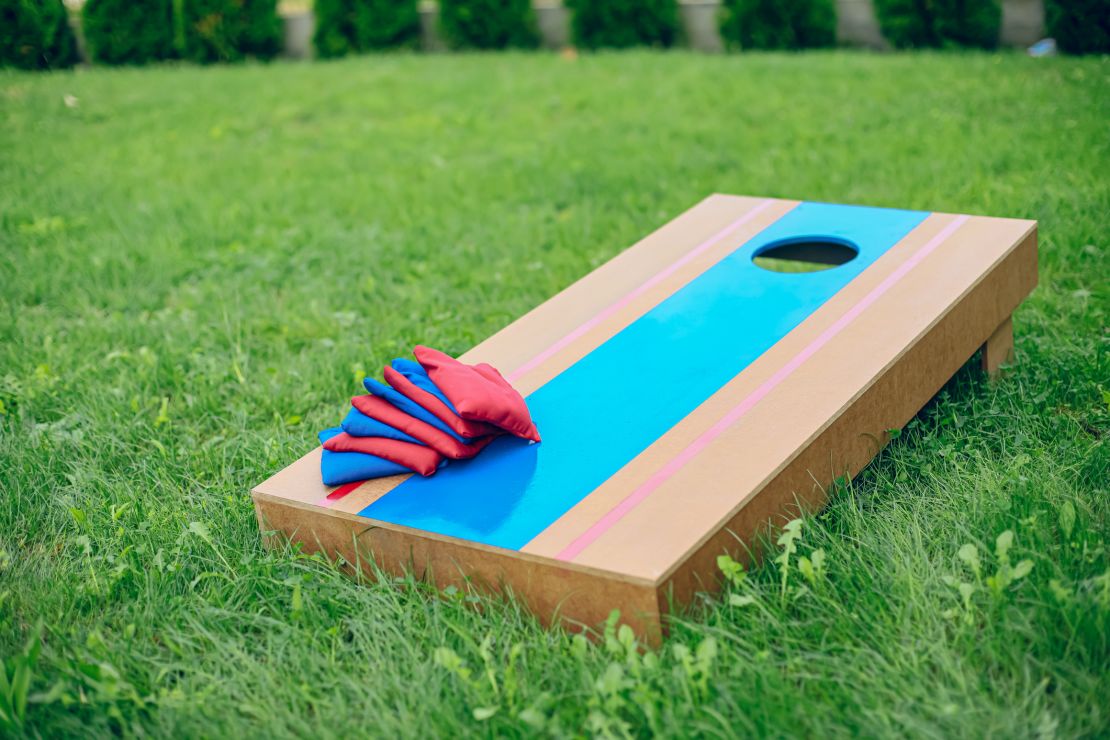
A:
(686, 398)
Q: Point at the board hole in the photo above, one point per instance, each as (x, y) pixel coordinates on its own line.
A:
(808, 254)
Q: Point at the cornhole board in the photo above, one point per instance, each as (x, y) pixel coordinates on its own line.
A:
(687, 398)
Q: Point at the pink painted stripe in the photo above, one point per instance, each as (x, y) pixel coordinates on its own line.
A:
(339, 493)
(679, 461)
(638, 291)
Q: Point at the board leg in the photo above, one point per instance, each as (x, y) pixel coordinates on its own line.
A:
(999, 348)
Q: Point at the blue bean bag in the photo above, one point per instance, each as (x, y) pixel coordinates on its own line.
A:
(337, 468)
(410, 407)
(418, 376)
(358, 424)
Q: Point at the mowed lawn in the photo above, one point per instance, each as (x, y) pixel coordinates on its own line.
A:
(198, 265)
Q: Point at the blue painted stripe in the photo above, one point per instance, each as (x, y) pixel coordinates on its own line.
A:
(601, 412)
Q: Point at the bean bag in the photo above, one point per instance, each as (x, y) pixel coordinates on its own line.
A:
(358, 424)
(415, 457)
(419, 377)
(437, 407)
(478, 392)
(409, 407)
(337, 468)
(445, 444)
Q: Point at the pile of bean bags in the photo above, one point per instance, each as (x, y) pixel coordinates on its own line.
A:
(425, 414)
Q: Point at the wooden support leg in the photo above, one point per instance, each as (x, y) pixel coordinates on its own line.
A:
(999, 348)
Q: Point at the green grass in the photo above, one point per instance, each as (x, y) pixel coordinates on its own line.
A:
(197, 264)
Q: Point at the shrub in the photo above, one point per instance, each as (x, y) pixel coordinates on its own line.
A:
(618, 24)
(488, 24)
(351, 26)
(940, 23)
(1079, 26)
(129, 31)
(35, 34)
(230, 30)
(334, 35)
(778, 24)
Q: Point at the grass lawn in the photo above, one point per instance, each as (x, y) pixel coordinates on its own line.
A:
(196, 266)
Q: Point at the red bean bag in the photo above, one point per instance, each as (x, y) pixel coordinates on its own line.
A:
(436, 407)
(337, 468)
(478, 393)
(378, 408)
(417, 458)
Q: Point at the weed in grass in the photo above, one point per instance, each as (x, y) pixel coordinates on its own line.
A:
(15, 684)
(787, 541)
(996, 584)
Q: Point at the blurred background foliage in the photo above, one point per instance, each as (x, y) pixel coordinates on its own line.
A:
(1079, 26)
(778, 24)
(909, 24)
(618, 24)
(489, 24)
(230, 30)
(354, 26)
(34, 34)
(129, 31)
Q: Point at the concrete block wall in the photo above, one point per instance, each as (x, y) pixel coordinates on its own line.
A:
(700, 24)
(1022, 22)
(553, 20)
(298, 30)
(857, 25)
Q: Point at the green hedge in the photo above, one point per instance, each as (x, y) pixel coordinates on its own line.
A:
(129, 31)
(618, 24)
(1079, 26)
(910, 24)
(353, 26)
(230, 30)
(778, 24)
(488, 24)
(35, 34)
